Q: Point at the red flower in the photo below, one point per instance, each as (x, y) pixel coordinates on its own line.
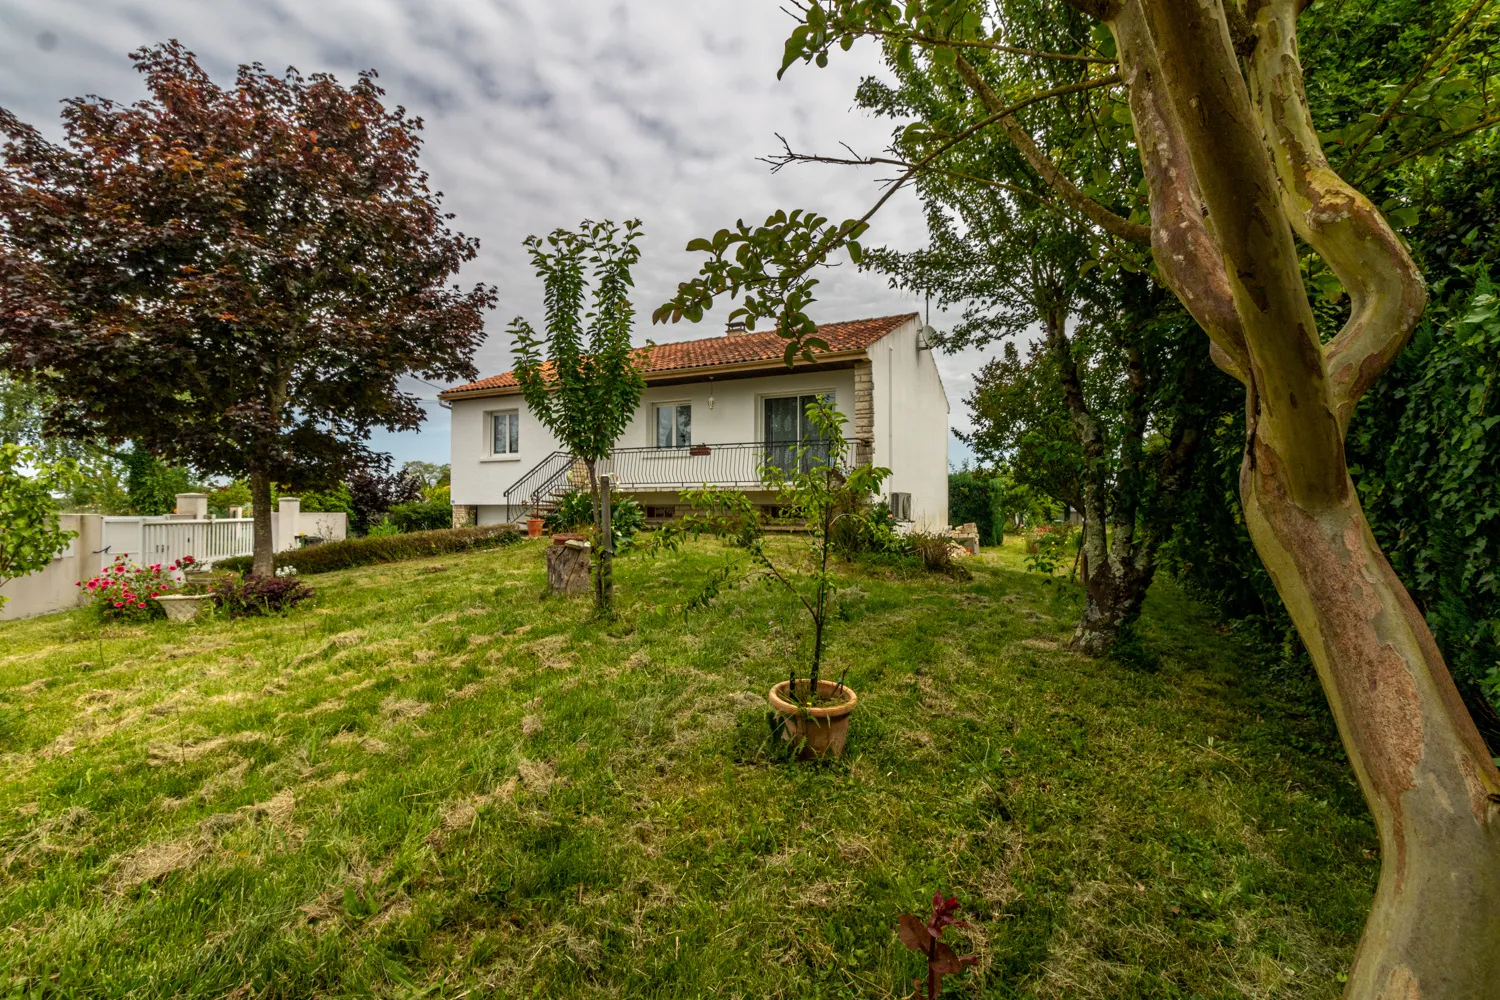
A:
(119, 604)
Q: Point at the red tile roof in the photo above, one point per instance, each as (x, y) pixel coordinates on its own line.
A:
(713, 352)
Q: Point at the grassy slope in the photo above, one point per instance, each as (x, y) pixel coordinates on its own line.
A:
(434, 782)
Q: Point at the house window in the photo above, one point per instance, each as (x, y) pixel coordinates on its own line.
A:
(505, 433)
(787, 430)
(674, 425)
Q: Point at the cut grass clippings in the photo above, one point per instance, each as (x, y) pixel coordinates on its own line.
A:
(438, 783)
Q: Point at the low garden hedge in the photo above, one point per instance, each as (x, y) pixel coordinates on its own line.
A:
(329, 556)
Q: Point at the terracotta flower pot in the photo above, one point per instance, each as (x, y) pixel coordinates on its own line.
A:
(533, 527)
(817, 731)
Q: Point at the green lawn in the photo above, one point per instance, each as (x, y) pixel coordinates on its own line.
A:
(434, 783)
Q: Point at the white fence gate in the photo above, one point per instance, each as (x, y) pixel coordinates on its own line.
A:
(147, 540)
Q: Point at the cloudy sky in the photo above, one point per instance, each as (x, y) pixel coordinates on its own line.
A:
(539, 113)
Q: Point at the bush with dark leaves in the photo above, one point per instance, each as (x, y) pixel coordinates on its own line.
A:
(259, 595)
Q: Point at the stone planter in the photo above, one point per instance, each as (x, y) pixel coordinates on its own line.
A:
(183, 607)
(817, 731)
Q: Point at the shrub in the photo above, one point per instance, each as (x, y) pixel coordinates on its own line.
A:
(372, 492)
(1047, 546)
(126, 591)
(979, 500)
(394, 548)
(575, 512)
(259, 595)
(421, 515)
(384, 529)
(936, 550)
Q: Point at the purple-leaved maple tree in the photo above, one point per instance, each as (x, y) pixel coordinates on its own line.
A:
(235, 278)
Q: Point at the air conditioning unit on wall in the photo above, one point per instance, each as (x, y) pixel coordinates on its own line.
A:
(901, 506)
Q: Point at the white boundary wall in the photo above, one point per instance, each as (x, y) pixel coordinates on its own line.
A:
(146, 540)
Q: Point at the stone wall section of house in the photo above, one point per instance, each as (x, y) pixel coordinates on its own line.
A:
(465, 515)
(864, 413)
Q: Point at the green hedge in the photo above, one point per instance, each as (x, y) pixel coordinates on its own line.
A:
(329, 556)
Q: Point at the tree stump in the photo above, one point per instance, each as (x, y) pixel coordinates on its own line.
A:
(567, 570)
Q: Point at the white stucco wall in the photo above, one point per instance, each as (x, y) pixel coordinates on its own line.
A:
(911, 424)
(479, 478)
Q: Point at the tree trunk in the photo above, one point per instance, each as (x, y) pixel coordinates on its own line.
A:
(1434, 930)
(262, 563)
(1113, 595)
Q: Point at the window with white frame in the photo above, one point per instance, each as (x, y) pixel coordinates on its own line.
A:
(674, 425)
(505, 433)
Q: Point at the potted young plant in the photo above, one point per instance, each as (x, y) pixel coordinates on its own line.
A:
(814, 484)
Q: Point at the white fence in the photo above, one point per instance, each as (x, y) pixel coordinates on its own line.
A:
(146, 540)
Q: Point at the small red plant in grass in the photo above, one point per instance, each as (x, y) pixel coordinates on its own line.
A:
(927, 938)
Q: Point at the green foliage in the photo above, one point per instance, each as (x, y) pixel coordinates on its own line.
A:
(1426, 456)
(980, 499)
(1049, 547)
(30, 534)
(431, 474)
(375, 548)
(575, 512)
(336, 500)
(772, 266)
(421, 515)
(582, 381)
(151, 485)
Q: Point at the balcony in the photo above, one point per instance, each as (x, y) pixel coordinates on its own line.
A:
(737, 465)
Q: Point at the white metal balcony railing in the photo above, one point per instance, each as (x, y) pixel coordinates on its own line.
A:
(739, 465)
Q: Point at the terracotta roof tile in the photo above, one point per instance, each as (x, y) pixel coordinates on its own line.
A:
(711, 352)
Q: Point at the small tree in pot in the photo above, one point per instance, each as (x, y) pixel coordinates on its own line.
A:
(814, 485)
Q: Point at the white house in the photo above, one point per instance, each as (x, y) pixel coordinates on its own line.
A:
(713, 412)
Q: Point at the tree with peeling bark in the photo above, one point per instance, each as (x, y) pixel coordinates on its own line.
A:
(236, 279)
(1235, 174)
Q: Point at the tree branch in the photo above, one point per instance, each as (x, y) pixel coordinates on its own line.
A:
(1385, 288)
(856, 160)
(1292, 421)
(935, 42)
(1417, 77)
(1437, 143)
(1186, 253)
(1066, 189)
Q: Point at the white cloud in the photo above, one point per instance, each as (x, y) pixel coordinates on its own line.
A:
(539, 113)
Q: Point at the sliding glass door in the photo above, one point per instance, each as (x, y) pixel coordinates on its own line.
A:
(787, 430)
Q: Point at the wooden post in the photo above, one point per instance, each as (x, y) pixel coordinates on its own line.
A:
(606, 543)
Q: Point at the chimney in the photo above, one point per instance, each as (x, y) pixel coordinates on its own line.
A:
(735, 328)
